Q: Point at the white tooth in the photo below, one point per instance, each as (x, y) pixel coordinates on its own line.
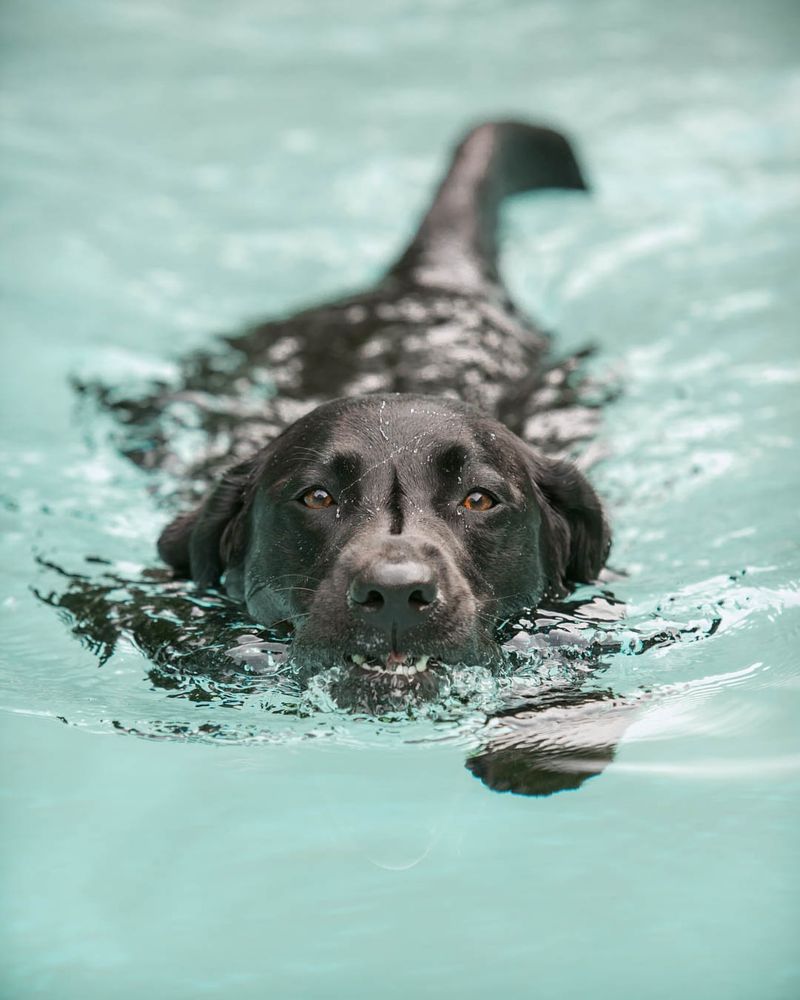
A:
(421, 663)
(356, 658)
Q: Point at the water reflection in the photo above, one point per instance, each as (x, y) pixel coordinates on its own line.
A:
(541, 721)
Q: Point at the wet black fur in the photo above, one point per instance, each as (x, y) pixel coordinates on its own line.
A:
(452, 374)
(399, 401)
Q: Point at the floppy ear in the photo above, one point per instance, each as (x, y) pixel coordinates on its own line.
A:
(202, 543)
(577, 533)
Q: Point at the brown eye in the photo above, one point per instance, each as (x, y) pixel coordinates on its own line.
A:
(478, 500)
(317, 498)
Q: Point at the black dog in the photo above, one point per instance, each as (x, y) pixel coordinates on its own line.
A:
(397, 527)
(391, 488)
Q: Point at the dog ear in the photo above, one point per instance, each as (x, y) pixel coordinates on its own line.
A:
(577, 535)
(203, 542)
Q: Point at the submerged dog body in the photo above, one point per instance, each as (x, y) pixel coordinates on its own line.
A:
(396, 512)
(386, 476)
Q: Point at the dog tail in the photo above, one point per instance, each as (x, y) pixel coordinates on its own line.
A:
(456, 239)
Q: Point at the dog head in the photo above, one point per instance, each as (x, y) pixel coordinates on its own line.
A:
(393, 532)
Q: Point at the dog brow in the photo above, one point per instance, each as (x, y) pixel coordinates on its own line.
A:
(347, 467)
(346, 464)
(451, 456)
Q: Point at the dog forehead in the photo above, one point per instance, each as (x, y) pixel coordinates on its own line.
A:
(380, 425)
(372, 440)
(401, 418)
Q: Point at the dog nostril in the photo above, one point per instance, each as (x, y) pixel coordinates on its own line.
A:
(373, 601)
(365, 597)
(418, 600)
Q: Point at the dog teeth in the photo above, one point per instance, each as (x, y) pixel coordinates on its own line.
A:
(417, 666)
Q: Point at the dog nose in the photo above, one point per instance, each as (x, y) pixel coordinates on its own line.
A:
(394, 594)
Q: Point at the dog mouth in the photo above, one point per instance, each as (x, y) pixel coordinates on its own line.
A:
(394, 664)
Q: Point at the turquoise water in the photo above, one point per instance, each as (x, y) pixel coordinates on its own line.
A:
(171, 170)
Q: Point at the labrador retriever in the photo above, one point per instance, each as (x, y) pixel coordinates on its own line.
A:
(403, 517)
(385, 479)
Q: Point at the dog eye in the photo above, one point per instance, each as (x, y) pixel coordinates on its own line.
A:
(317, 498)
(479, 500)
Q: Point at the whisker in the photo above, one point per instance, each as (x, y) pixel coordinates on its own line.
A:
(302, 576)
(255, 589)
(292, 586)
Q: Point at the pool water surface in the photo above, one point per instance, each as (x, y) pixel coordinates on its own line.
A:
(175, 170)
